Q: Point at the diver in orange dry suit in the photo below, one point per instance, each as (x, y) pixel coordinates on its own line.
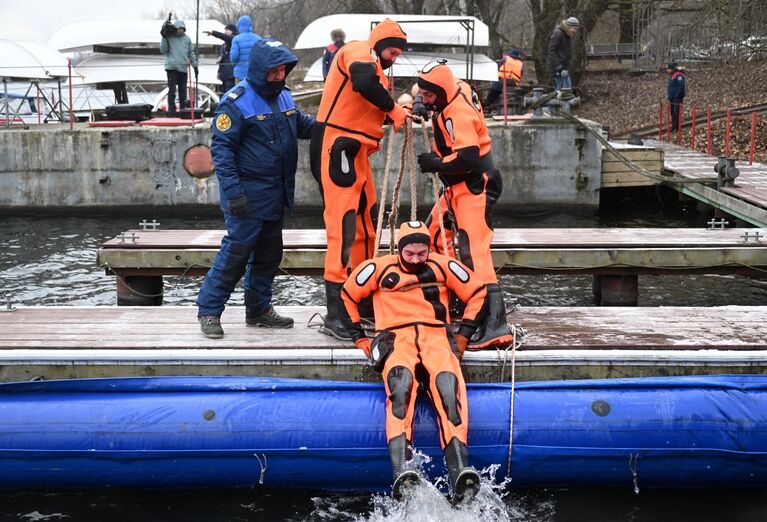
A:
(410, 298)
(353, 108)
(464, 162)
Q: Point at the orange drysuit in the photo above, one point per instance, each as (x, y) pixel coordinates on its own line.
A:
(354, 105)
(463, 159)
(412, 323)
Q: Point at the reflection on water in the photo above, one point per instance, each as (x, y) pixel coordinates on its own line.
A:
(50, 260)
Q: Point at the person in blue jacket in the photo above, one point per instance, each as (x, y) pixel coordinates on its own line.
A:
(239, 53)
(676, 92)
(255, 151)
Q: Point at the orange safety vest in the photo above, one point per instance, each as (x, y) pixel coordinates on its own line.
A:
(511, 69)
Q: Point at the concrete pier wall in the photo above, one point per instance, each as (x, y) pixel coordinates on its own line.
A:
(551, 162)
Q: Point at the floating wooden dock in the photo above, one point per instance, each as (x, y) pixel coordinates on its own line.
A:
(561, 343)
(615, 256)
(746, 199)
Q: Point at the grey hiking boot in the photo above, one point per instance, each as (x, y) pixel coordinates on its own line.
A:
(270, 319)
(210, 325)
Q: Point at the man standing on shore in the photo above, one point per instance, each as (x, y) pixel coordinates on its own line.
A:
(560, 52)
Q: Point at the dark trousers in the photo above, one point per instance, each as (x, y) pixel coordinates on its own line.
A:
(253, 248)
(675, 115)
(176, 80)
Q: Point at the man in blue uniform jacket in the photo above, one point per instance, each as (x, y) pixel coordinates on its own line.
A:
(255, 151)
(676, 91)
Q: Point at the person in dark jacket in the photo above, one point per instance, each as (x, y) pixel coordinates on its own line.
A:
(239, 53)
(337, 36)
(255, 151)
(560, 52)
(225, 69)
(676, 92)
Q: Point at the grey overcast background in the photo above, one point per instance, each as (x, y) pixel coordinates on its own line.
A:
(38, 20)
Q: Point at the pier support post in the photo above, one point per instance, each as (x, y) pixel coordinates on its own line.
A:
(616, 290)
(139, 291)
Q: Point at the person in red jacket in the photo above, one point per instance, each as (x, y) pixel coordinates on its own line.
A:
(354, 105)
(463, 159)
(410, 299)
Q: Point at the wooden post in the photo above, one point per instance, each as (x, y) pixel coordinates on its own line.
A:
(617, 290)
(139, 290)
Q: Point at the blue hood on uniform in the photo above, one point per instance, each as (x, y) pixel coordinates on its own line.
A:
(264, 55)
(244, 24)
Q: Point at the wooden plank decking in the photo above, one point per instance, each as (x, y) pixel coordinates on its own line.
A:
(586, 250)
(747, 199)
(68, 342)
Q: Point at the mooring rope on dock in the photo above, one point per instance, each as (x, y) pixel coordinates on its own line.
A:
(633, 166)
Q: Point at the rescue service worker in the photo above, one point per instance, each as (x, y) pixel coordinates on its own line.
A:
(410, 298)
(510, 70)
(255, 151)
(463, 159)
(676, 92)
(353, 108)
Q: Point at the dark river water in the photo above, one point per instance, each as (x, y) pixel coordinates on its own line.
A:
(50, 260)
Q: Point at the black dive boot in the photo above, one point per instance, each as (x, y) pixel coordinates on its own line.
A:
(400, 453)
(464, 480)
(336, 318)
(494, 329)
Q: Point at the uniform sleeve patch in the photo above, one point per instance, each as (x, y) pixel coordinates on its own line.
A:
(223, 122)
(458, 271)
(365, 274)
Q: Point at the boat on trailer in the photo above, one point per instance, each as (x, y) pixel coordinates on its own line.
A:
(246, 431)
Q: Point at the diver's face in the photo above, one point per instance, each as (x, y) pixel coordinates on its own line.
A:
(415, 253)
(391, 54)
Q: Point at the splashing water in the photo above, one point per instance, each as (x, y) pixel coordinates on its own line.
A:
(427, 502)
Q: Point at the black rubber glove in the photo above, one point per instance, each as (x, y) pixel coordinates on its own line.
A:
(419, 109)
(239, 206)
(429, 162)
(196, 71)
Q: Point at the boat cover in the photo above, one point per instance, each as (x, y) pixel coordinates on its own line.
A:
(243, 431)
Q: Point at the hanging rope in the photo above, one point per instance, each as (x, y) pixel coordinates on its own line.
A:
(384, 190)
(395, 195)
(517, 335)
(435, 191)
(413, 173)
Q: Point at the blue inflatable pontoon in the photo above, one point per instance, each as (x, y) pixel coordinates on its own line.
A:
(239, 431)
